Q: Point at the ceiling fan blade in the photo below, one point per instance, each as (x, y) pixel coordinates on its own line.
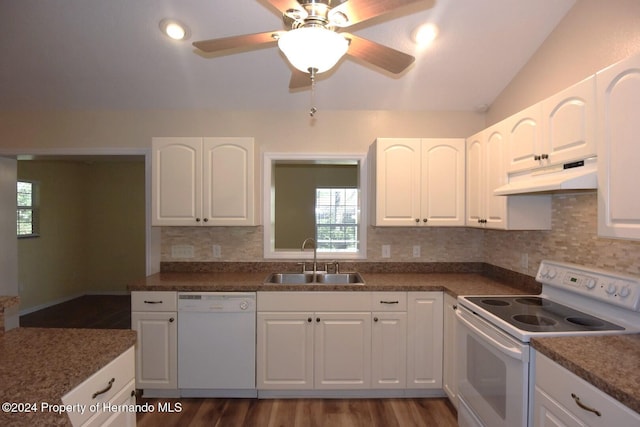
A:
(379, 55)
(361, 10)
(299, 79)
(286, 5)
(233, 42)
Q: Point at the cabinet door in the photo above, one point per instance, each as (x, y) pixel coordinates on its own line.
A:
(449, 374)
(569, 123)
(126, 397)
(284, 351)
(443, 186)
(176, 183)
(618, 92)
(496, 176)
(397, 181)
(475, 180)
(524, 139)
(342, 350)
(548, 413)
(389, 350)
(424, 340)
(156, 349)
(228, 181)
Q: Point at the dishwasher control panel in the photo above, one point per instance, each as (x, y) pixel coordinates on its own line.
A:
(217, 302)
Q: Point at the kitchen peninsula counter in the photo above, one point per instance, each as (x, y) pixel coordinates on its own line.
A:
(609, 362)
(453, 283)
(40, 365)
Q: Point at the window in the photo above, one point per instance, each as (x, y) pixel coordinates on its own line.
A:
(27, 215)
(337, 219)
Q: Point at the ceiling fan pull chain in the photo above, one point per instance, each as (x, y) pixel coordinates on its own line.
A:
(313, 110)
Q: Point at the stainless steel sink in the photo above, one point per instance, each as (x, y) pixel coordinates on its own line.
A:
(320, 278)
(340, 279)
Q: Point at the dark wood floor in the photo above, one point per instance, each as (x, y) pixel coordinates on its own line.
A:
(300, 413)
(89, 311)
(114, 312)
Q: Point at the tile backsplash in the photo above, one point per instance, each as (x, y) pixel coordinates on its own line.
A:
(572, 239)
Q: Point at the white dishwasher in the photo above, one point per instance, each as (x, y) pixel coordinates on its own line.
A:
(217, 344)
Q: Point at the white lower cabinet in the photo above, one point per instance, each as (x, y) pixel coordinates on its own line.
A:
(342, 351)
(324, 342)
(307, 341)
(154, 316)
(103, 393)
(424, 340)
(449, 376)
(563, 399)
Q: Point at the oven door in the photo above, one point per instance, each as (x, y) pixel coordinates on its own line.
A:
(493, 374)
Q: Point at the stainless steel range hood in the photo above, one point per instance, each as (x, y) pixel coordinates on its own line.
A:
(579, 175)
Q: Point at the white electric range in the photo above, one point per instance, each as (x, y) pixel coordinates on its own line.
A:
(495, 374)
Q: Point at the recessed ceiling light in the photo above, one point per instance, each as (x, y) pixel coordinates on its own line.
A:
(174, 29)
(425, 34)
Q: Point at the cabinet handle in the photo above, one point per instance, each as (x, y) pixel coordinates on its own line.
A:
(197, 219)
(317, 319)
(425, 219)
(171, 320)
(309, 320)
(375, 319)
(417, 220)
(389, 302)
(153, 302)
(455, 307)
(536, 157)
(206, 220)
(544, 156)
(104, 390)
(583, 406)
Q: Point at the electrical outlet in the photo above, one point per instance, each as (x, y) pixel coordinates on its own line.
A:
(181, 251)
(416, 251)
(524, 261)
(217, 251)
(386, 251)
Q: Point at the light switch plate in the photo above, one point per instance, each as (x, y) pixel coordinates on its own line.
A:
(217, 251)
(416, 251)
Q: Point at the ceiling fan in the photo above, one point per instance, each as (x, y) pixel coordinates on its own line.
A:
(314, 43)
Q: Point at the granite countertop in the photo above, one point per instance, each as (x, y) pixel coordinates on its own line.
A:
(611, 363)
(8, 301)
(453, 283)
(40, 365)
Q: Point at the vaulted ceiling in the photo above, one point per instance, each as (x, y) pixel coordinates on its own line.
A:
(106, 55)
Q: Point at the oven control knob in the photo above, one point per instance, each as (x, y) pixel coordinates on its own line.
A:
(625, 291)
(591, 283)
(244, 305)
(611, 288)
(552, 273)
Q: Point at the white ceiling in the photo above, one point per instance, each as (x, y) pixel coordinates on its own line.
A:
(110, 54)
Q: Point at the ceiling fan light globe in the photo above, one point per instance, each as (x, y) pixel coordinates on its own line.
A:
(315, 48)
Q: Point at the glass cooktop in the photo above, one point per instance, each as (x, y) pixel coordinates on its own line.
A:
(535, 314)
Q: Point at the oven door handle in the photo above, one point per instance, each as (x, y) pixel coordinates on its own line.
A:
(515, 353)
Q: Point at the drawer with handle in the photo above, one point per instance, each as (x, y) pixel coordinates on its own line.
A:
(388, 301)
(101, 387)
(154, 301)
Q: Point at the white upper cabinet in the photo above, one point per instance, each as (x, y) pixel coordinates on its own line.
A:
(419, 182)
(618, 92)
(524, 133)
(203, 181)
(569, 119)
(486, 171)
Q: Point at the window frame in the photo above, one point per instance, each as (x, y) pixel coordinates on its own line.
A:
(34, 208)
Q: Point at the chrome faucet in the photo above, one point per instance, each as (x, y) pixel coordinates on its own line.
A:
(315, 253)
